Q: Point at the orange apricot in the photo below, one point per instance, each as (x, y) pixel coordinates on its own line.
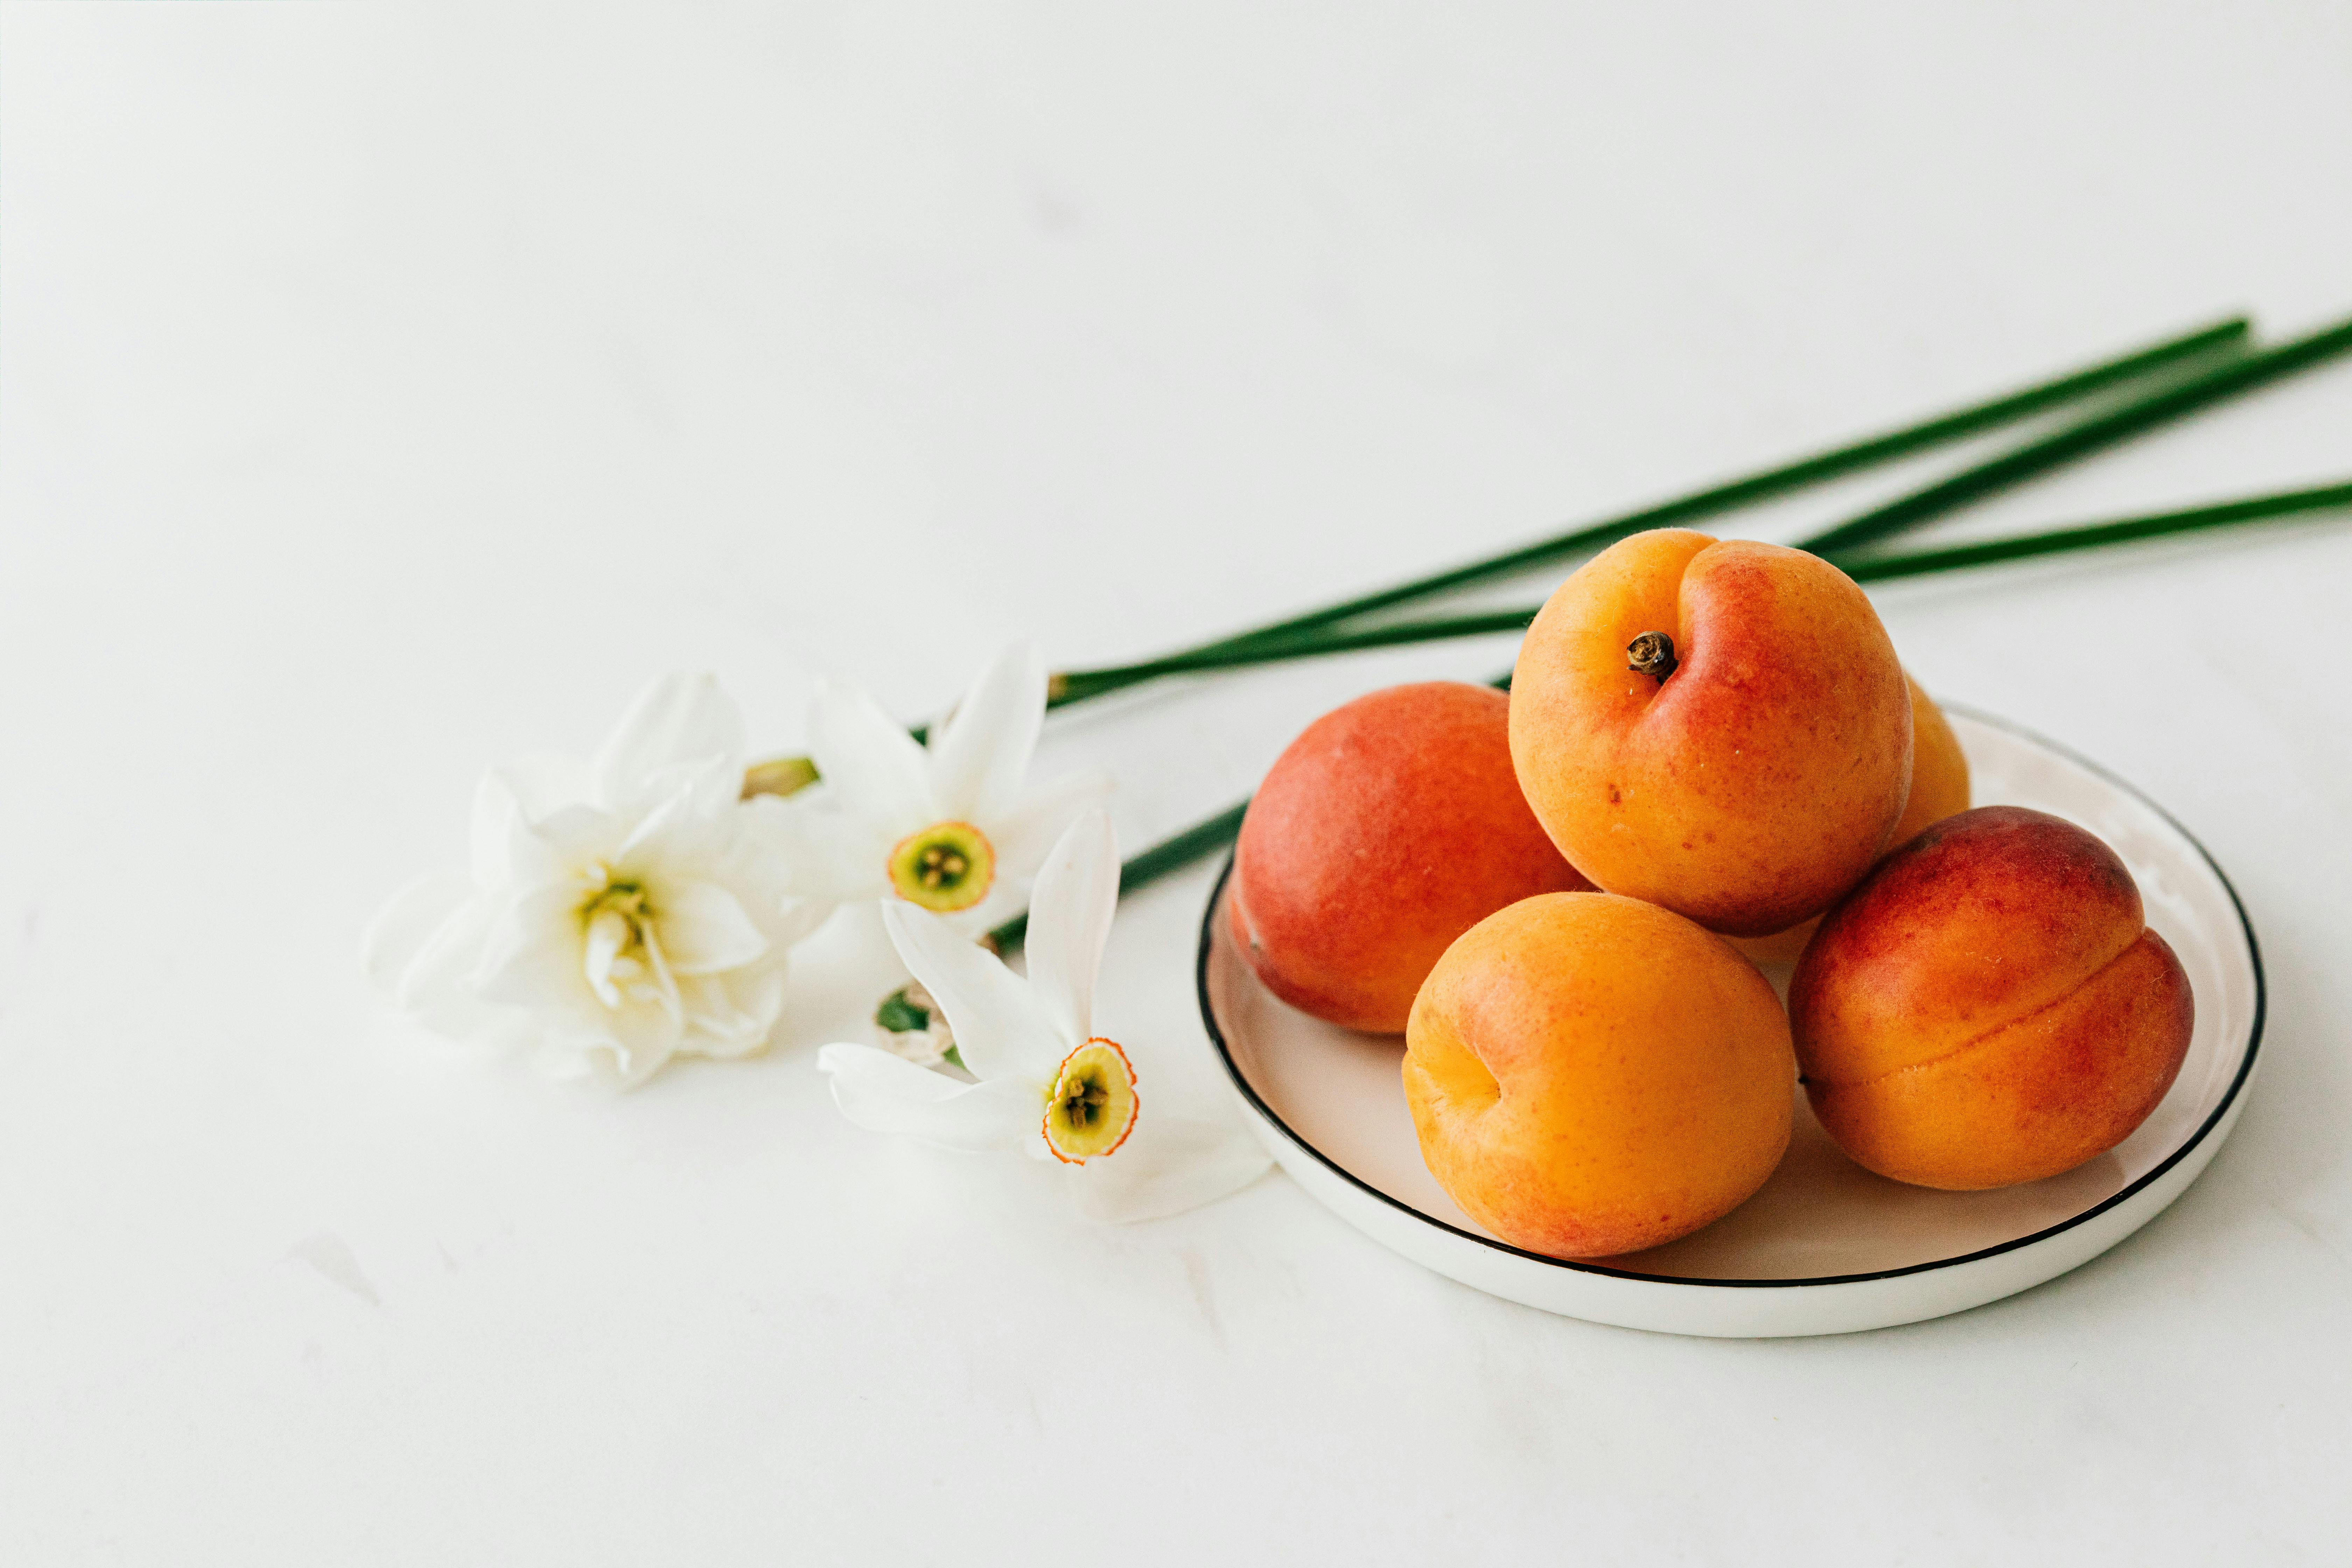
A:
(1720, 727)
(1940, 788)
(1592, 1074)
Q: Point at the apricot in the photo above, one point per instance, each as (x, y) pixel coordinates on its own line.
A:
(1592, 1074)
(1939, 769)
(1990, 1006)
(1716, 726)
(1939, 788)
(1393, 824)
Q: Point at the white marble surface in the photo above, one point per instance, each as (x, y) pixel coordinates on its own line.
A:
(387, 390)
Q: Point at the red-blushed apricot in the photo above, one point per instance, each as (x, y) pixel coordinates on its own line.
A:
(1990, 1006)
(1940, 788)
(1592, 1074)
(1391, 826)
(1747, 773)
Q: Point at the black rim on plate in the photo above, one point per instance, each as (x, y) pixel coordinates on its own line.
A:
(2204, 1130)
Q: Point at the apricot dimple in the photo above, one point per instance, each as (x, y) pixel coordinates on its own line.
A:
(1756, 781)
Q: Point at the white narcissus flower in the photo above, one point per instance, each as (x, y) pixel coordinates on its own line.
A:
(1047, 1084)
(618, 913)
(950, 825)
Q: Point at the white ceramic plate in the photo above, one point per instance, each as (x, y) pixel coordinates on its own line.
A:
(1824, 1246)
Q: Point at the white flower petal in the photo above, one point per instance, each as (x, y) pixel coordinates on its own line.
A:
(1000, 1029)
(543, 781)
(524, 831)
(840, 975)
(608, 933)
(684, 817)
(1069, 920)
(790, 921)
(680, 719)
(981, 751)
(407, 925)
(716, 784)
(535, 956)
(645, 1034)
(1005, 900)
(884, 1094)
(730, 1014)
(1169, 1165)
(1023, 836)
(703, 928)
(619, 1047)
(568, 1059)
(872, 768)
(557, 845)
(778, 862)
(601, 1056)
(835, 855)
(426, 965)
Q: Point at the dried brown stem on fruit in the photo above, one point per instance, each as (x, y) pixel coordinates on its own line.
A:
(1651, 653)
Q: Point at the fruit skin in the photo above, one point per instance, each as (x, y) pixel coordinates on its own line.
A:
(1592, 1074)
(1761, 778)
(1940, 788)
(1990, 1006)
(1389, 827)
(1939, 769)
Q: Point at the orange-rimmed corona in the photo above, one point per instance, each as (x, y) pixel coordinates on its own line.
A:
(1092, 1106)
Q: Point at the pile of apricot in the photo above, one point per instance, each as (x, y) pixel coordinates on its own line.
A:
(1709, 757)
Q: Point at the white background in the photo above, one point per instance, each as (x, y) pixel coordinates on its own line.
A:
(389, 391)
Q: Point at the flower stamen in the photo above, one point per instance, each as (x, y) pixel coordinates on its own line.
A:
(620, 945)
(1093, 1105)
(946, 867)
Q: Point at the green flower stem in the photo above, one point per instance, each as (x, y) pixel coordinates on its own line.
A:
(2059, 542)
(1195, 842)
(2078, 440)
(1205, 838)
(1391, 636)
(2088, 435)
(1862, 568)
(2223, 336)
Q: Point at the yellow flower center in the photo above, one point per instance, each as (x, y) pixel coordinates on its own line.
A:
(625, 900)
(620, 950)
(946, 867)
(1092, 1106)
